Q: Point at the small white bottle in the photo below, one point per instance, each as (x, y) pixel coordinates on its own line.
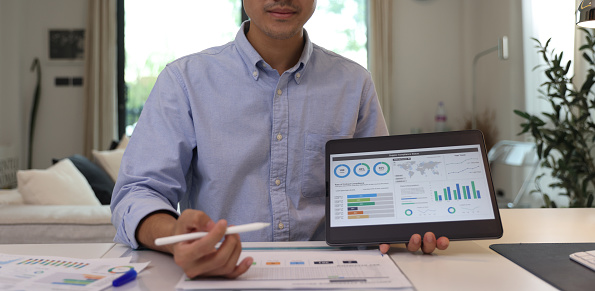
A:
(440, 118)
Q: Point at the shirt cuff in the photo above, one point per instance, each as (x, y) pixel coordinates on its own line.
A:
(133, 214)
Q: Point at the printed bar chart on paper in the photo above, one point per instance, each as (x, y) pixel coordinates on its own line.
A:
(53, 263)
(24, 272)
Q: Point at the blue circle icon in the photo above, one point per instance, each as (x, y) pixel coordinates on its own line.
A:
(451, 210)
(381, 168)
(342, 171)
(361, 169)
(408, 212)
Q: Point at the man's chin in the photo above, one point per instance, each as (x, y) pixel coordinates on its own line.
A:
(282, 34)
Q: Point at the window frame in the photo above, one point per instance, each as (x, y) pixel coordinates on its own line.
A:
(122, 91)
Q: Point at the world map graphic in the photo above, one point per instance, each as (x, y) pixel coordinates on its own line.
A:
(421, 168)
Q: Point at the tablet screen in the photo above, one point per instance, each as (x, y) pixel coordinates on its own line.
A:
(434, 186)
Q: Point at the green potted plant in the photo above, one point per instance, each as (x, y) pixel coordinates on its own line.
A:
(565, 136)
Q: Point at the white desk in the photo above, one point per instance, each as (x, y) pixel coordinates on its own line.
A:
(465, 265)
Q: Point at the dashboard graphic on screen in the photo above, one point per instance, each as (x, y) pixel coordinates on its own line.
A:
(409, 186)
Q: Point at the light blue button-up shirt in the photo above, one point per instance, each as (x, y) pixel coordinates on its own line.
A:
(222, 132)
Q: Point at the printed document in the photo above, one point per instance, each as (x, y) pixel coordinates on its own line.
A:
(312, 269)
(23, 272)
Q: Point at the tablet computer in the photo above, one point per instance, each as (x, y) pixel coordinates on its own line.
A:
(384, 189)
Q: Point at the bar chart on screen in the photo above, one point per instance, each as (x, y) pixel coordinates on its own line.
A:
(374, 205)
(458, 192)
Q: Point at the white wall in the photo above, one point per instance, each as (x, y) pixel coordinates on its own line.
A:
(59, 126)
(436, 41)
(10, 103)
(427, 63)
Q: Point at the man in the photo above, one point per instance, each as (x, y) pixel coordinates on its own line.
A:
(236, 133)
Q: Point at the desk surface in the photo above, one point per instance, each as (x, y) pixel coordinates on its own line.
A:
(465, 265)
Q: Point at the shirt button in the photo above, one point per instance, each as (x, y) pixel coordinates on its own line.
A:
(255, 73)
(279, 92)
(279, 137)
(297, 75)
(277, 182)
(281, 226)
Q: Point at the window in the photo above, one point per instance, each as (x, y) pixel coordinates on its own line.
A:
(158, 32)
(545, 19)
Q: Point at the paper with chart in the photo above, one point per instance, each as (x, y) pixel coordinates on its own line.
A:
(310, 269)
(22, 272)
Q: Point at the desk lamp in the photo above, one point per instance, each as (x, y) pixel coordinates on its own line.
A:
(502, 49)
(585, 14)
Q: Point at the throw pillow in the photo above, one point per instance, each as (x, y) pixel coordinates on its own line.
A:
(123, 142)
(109, 161)
(120, 144)
(60, 184)
(100, 181)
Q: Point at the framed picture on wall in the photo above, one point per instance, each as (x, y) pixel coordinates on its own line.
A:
(66, 44)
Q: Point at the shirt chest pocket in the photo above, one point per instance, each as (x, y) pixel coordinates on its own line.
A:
(313, 164)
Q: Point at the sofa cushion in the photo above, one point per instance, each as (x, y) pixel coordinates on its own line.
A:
(100, 181)
(34, 224)
(60, 184)
(109, 161)
(10, 197)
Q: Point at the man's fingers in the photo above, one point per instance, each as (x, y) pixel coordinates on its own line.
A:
(414, 243)
(241, 268)
(193, 220)
(443, 243)
(225, 260)
(384, 248)
(214, 236)
(200, 257)
(222, 262)
(187, 253)
(429, 243)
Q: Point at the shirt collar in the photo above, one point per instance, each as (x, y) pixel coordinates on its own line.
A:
(252, 58)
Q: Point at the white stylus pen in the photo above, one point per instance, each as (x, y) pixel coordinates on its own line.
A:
(196, 235)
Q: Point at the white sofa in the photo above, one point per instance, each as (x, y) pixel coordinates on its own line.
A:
(65, 203)
(30, 223)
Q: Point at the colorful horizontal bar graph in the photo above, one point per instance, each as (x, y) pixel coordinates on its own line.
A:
(361, 203)
(371, 205)
(358, 199)
(361, 196)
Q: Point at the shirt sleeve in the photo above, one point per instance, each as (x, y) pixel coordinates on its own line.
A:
(156, 162)
(370, 119)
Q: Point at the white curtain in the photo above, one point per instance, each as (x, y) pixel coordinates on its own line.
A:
(545, 19)
(100, 76)
(380, 46)
(580, 65)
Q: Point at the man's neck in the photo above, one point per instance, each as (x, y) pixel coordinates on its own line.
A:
(280, 54)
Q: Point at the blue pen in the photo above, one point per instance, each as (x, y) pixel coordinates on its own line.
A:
(125, 278)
